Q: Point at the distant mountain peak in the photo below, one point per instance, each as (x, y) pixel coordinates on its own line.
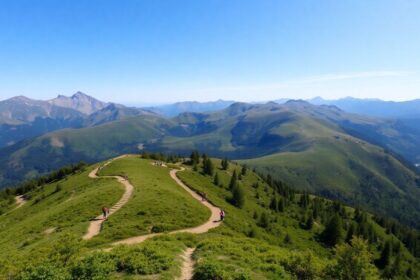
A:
(20, 98)
(297, 102)
(80, 94)
(79, 101)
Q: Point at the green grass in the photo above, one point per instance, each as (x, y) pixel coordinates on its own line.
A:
(238, 249)
(155, 195)
(67, 211)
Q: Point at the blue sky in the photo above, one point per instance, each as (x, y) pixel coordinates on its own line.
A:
(138, 52)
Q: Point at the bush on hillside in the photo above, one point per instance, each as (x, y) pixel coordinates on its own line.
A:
(353, 262)
(215, 271)
(44, 272)
(303, 266)
(97, 266)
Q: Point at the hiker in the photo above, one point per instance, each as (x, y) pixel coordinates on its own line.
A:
(105, 212)
(222, 215)
(203, 196)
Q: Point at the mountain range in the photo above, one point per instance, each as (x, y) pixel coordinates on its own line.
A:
(320, 149)
(24, 118)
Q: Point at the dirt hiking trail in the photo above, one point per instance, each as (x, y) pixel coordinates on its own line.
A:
(212, 222)
(96, 223)
(188, 263)
(187, 269)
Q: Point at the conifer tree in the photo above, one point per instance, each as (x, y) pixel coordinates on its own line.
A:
(333, 232)
(225, 164)
(195, 157)
(238, 196)
(274, 204)
(263, 222)
(208, 168)
(216, 180)
(385, 258)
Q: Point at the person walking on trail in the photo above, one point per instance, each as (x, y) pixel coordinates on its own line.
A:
(222, 215)
(105, 212)
(203, 196)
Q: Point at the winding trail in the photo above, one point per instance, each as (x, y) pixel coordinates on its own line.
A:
(212, 222)
(96, 223)
(188, 263)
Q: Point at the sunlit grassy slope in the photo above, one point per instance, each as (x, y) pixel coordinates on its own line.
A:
(43, 237)
(158, 203)
(60, 208)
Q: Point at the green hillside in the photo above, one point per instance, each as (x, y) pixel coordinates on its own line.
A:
(270, 231)
(342, 167)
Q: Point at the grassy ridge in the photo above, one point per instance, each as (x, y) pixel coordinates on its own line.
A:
(155, 195)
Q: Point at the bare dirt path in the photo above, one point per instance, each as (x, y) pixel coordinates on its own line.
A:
(20, 200)
(187, 269)
(96, 223)
(212, 222)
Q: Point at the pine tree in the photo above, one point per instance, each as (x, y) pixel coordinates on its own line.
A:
(263, 222)
(274, 204)
(386, 254)
(195, 157)
(333, 232)
(204, 156)
(208, 167)
(238, 196)
(233, 181)
(216, 180)
(225, 164)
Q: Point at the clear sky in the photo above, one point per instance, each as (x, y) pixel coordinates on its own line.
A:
(155, 51)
